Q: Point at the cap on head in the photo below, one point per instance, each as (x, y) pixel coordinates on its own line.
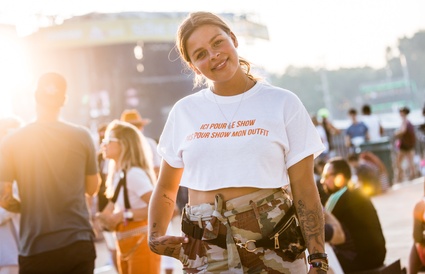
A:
(133, 117)
(51, 90)
(323, 113)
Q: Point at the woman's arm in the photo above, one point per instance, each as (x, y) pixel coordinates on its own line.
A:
(307, 202)
(7, 200)
(161, 210)
(399, 132)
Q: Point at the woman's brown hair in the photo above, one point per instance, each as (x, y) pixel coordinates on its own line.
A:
(189, 25)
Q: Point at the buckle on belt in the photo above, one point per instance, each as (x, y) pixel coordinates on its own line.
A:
(245, 245)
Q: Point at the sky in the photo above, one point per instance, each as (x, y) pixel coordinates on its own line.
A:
(327, 33)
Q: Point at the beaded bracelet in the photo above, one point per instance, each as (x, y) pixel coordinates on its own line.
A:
(316, 256)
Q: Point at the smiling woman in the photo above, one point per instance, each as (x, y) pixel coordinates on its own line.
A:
(14, 73)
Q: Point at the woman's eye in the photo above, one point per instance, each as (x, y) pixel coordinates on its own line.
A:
(200, 55)
(217, 43)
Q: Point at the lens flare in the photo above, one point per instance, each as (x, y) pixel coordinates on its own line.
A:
(339, 180)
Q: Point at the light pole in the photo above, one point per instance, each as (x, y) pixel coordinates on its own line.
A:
(406, 76)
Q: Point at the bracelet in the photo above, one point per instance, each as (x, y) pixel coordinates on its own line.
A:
(322, 265)
(316, 256)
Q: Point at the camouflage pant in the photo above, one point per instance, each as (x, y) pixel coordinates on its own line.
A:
(250, 217)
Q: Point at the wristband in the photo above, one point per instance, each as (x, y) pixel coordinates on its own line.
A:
(316, 256)
(321, 265)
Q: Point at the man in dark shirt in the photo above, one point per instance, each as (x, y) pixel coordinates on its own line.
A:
(364, 244)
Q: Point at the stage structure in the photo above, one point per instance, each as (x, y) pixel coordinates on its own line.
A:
(122, 60)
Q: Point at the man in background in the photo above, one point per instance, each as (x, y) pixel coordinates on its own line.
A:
(363, 246)
(373, 124)
(356, 134)
(54, 166)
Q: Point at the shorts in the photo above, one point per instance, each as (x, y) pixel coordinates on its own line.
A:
(76, 258)
(249, 217)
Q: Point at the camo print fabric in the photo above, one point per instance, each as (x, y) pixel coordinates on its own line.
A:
(250, 217)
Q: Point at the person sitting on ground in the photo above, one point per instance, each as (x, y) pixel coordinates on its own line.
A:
(364, 245)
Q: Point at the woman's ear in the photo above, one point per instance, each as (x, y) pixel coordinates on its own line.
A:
(234, 39)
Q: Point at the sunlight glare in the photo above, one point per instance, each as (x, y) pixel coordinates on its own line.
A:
(14, 73)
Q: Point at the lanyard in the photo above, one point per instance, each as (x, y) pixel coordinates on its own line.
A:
(122, 183)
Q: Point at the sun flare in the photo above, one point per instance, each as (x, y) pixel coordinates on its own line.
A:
(14, 72)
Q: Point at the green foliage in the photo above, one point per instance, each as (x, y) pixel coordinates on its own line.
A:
(345, 84)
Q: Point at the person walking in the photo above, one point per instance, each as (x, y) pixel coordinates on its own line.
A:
(323, 118)
(129, 187)
(363, 246)
(322, 133)
(375, 129)
(133, 117)
(405, 142)
(236, 145)
(102, 200)
(9, 221)
(54, 165)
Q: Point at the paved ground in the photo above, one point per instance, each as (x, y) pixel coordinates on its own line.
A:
(394, 208)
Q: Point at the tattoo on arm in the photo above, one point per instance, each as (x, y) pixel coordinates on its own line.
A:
(7, 201)
(312, 222)
(169, 200)
(153, 242)
(169, 251)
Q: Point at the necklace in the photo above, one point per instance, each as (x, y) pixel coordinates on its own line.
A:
(229, 122)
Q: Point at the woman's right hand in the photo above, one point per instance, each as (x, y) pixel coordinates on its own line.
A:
(167, 245)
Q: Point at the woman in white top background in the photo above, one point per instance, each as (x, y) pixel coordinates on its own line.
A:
(130, 172)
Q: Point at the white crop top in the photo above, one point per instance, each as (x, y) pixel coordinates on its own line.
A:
(271, 130)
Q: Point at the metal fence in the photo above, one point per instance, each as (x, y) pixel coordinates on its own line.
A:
(341, 150)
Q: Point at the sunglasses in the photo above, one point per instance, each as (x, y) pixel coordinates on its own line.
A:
(106, 141)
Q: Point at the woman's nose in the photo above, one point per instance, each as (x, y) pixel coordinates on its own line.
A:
(214, 54)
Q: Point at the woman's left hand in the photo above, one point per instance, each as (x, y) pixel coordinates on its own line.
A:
(167, 245)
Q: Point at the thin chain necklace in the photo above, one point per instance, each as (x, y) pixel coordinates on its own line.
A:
(229, 122)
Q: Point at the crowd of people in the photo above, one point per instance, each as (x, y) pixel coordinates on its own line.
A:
(60, 190)
(396, 152)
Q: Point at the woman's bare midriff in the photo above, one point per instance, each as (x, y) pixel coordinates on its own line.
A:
(197, 197)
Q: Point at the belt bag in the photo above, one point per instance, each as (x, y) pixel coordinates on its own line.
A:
(286, 236)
